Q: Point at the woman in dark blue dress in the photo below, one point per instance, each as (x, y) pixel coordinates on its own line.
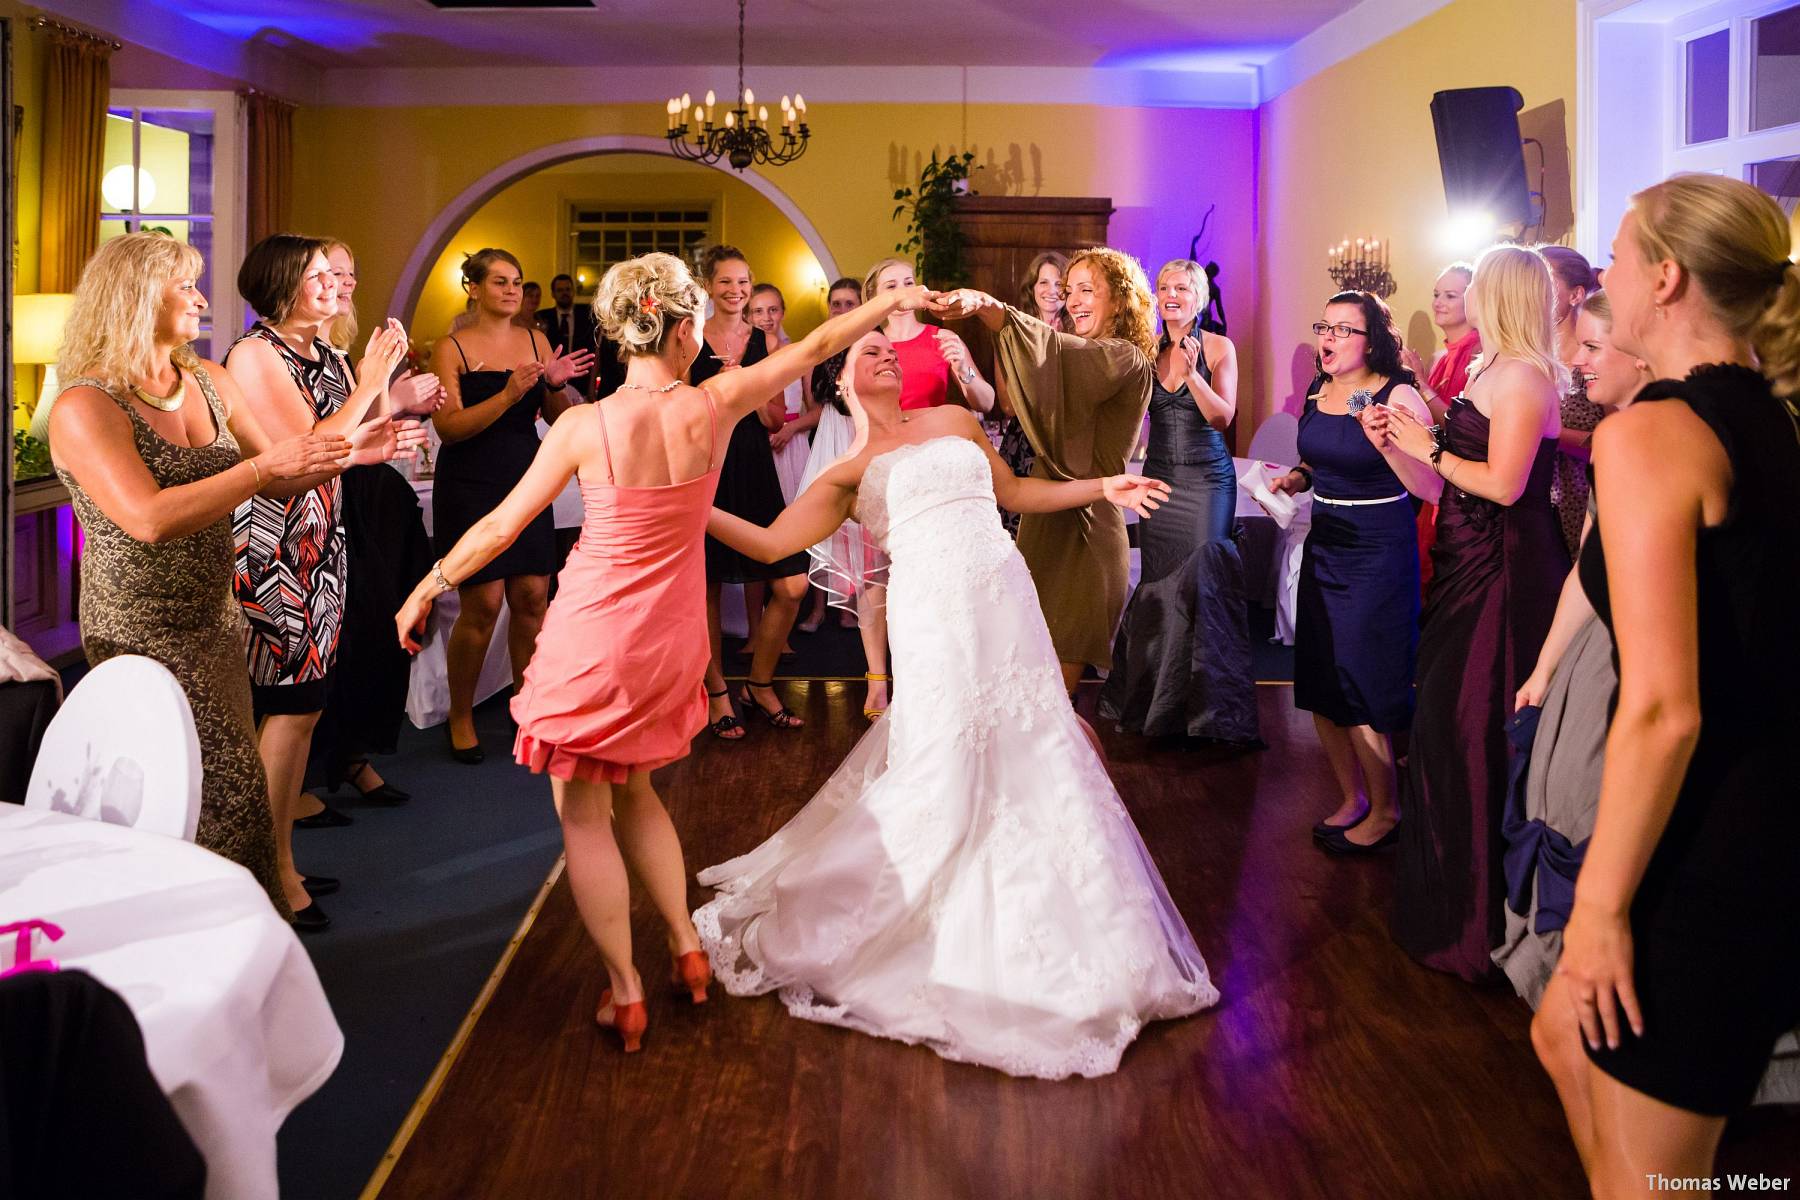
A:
(1181, 659)
(1356, 626)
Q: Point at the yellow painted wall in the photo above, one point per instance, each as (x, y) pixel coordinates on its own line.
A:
(1351, 153)
(530, 218)
(376, 177)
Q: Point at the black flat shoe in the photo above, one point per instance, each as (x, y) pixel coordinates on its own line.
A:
(326, 818)
(468, 755)
(1324, 830)
(319, 885)
(311, 919)
(382, 793)
(1338, 844)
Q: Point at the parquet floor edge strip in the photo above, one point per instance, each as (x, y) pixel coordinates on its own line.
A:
(428, 1094)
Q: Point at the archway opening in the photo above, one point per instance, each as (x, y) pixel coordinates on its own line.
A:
(576, 207)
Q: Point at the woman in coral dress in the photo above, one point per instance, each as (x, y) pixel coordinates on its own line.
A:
(615, 689)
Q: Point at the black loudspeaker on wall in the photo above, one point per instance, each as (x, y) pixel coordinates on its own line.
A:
(1480, 153)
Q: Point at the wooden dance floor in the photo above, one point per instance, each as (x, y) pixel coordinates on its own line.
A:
(1332, 1067)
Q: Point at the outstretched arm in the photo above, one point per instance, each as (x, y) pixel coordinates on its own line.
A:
(741, 391)
(813, 516)
(556, 460)
(1026, 495)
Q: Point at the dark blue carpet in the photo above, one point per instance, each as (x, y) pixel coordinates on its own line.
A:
(432, 891)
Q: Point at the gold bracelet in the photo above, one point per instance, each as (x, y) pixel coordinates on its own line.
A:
(258, 472)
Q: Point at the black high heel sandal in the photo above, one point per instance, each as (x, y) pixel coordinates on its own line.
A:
(382, 793)
(781, 718)
(722, 727)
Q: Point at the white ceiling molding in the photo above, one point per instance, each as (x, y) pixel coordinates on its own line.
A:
(1342, 37)
(1106, 87)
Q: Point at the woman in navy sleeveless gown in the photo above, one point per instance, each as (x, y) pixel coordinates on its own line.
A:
(1497, 569)
(1357, 621)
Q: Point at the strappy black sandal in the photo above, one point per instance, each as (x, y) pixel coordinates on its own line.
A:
(722, 727)
(782, 718)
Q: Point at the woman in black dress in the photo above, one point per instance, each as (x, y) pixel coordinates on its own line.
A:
(498, 379)
(749, 488)
(1678, 970)
(1181, 660)
(1357, 622)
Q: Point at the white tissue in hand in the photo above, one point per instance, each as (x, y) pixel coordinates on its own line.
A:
(1279, 505)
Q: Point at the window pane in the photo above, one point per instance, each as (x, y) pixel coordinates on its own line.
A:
(176, 148)
(1709, 87)
(1780, 177)
(115, 168)
(1775, 69)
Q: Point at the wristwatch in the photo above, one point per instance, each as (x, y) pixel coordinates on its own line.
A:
(968, 375)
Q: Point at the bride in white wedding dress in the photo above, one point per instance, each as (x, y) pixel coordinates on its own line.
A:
(968, 879)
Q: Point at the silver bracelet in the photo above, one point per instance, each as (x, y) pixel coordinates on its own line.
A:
(437, 575)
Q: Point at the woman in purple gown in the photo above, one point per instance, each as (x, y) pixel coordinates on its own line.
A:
(1497, 568)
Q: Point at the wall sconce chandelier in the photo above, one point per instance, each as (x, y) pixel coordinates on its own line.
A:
(1361, 265)
(744, 138)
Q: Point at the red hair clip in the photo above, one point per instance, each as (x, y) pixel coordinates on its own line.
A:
(647, 304)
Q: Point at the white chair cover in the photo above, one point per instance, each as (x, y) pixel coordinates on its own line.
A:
(123, 750)
(1277, 440)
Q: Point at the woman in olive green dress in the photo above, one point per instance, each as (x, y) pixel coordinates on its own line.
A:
(157, 448)
(1081, 398)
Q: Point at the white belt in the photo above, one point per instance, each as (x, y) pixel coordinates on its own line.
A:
(1358, 503)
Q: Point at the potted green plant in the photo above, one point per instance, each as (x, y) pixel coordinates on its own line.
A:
(31, 458)
(933, 238)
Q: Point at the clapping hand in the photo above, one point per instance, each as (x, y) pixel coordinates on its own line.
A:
(1409, 358)
(383, 439)
(563, 367)
(1140, 494)
(522, 379)
(1406, 434)
(386, 349)
(1375, 422)
(1190, 350)
(415, 393)
(298, 457)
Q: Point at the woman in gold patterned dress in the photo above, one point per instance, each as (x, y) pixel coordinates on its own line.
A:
(154, 480)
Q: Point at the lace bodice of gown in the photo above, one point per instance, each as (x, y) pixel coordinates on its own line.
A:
(910, 481)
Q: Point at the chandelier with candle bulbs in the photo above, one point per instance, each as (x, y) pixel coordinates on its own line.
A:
(1361, 265)
(745, 137)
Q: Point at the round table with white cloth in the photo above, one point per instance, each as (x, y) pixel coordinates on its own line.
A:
(236, 1025)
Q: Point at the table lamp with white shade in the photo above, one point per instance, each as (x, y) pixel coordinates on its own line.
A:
(38, 320)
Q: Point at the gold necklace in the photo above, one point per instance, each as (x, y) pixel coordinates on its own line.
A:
(168, 403)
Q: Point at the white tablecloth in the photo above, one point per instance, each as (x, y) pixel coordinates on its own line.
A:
(428, 693)
(236, 1026)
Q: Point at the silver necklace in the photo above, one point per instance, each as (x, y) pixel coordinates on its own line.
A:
(654, 391)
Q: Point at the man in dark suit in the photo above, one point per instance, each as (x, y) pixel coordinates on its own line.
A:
(570, 326)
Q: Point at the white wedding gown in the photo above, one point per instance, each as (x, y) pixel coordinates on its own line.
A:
(968, 879)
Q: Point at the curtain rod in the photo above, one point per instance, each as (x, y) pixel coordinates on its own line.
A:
(42, 22)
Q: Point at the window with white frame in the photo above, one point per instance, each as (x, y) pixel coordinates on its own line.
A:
(1673, 86)
(602, 234)
(171, 165)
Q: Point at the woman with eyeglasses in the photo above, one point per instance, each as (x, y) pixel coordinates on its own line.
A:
(1181, 661)
(1356, 626)
(1497, 568)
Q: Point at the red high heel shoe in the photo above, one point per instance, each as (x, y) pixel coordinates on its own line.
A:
(628, 1020)
(694, 972)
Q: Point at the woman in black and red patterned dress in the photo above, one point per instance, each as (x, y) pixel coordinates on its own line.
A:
(291, 552)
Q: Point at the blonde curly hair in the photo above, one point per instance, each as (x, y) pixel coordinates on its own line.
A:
(640, 301)
(111, 333)
(1132, 300)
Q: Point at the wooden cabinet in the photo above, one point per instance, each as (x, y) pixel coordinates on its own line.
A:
(1004, 233)
(46, 550)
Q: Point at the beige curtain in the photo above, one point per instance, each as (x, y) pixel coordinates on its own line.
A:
(270, 125)
(77, 82)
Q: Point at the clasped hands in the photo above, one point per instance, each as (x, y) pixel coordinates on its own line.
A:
(1396, 428)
